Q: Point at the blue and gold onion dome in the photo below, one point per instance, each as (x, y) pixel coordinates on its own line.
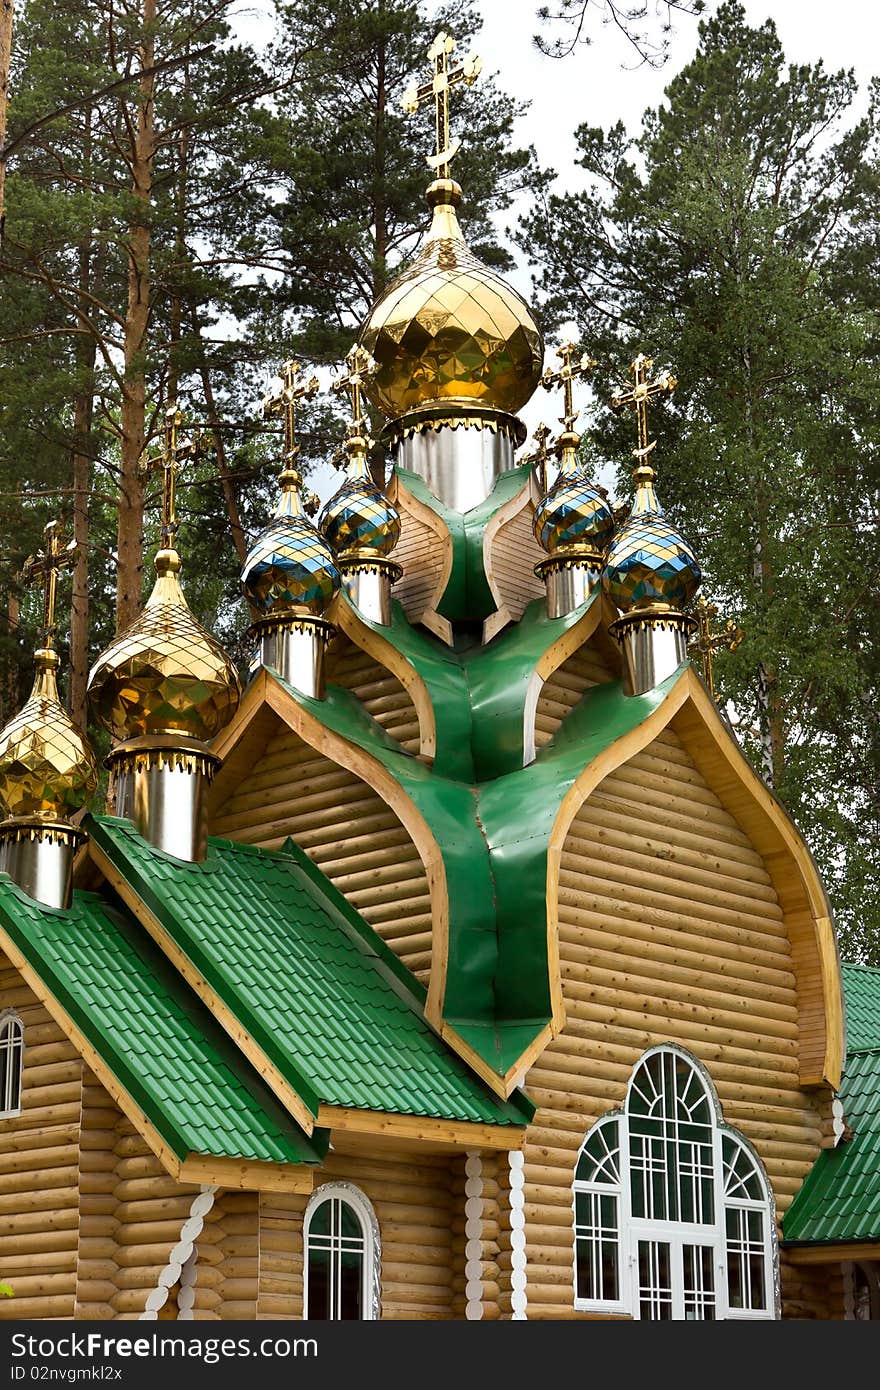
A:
(164, 675)
(573, 517)
(290, 568)
(47, 768)
(649, 563)
(358, 521)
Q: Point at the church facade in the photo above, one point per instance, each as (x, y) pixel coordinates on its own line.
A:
(460, 965)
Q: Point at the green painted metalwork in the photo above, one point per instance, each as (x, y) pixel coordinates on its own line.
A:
(157, 1039)
(840, 1198)
(494, 838)
(324, 998)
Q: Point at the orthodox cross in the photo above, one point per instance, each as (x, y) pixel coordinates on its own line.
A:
(169, 460)
(361, 366)
(45, 566)
(282, 402)
(539, 455)
(565, 376)
(643, 390)
(438, 88)
(707, 642)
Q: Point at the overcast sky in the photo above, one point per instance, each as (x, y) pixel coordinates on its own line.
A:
(600, 84)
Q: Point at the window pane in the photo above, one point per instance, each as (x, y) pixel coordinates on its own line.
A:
(599, 1159)
(351, 1285)
(745, 1259)
(319, 1284)
(596, 1247)
(320, 1222)
(655, 1281)
(699, 1283)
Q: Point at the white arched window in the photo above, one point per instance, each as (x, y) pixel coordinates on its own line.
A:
(341, 1256)
(673, 1214)
(11, 1057)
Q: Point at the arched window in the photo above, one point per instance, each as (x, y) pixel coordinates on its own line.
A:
(672, 1211)
(341, 1256)
(11, 1056)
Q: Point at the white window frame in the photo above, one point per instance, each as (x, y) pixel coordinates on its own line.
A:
(12, 1041)
(361, 1205)
(678, 1234)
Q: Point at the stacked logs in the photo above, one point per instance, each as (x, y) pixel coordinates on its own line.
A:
(379, 691)
(565, 688)
(350, 833)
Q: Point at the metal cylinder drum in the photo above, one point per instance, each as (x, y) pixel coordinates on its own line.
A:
(460, 465)
(369, 589)
(568, 586)
(169, 809)
(654, 646)
(296, 652)
(39, 859)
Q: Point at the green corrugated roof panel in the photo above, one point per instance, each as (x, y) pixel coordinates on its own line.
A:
(861, 987)
(157, 1039)
(313, 984)
(840, 1199)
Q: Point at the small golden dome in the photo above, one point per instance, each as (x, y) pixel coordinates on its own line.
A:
(450, 330)
(47, 769)
(649, 562)
(290, 568)
(164, 674)
(358, 522)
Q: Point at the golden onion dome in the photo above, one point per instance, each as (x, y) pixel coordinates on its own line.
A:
(47, 769)
(358, 521)
(450, 331)
(290, 567)
(164, 674)
(649, 562)
(573, 516)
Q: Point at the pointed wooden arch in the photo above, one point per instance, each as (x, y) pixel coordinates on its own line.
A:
(510, 553)
(690, 712)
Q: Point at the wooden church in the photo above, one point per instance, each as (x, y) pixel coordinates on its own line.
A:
(460, 965)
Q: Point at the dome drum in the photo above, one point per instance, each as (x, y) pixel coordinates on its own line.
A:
(570, 580)
(367, 580)
(654, 642)
(459, 457)
(38, 857)
(294, 645)
(160, 785)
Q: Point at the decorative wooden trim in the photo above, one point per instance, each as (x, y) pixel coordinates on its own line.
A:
(555, 656)
(182, 1256)
(830, 1254)
(424, 516)
(418, 1130)
(200, 986)
(349, 621)
(528, 493)
(689, 710)
(473, 1250)
(518, 1274)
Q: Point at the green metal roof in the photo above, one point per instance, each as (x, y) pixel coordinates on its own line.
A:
(308, 979)
(840, 1198)
(861, 988)
(157, 1039)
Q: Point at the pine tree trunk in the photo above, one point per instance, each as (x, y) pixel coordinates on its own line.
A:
(79, 606)
(380, 201)
(130, 528)
(230, 497)
(5, 54)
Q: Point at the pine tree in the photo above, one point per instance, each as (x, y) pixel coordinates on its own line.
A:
(719, 239)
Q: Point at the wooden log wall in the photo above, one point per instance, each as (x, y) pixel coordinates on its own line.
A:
(420, 551)
(513, 553)
(39, 1151)
(583, 669)
(379, 691)
(413, 1200)
(228, 1268)
(349, 832)
(813, 1291)
(669, 930)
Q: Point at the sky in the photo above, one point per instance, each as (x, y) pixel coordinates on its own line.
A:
(601, 84)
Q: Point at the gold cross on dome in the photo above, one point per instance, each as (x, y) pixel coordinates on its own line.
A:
(540, 454)
(169, 460)
(643, 390)
(438, 88)
(361, 366)
(707, 642)
(282, 402)
(565, 376)
(45, 566)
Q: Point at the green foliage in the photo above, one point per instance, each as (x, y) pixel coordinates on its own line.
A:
(735, 237)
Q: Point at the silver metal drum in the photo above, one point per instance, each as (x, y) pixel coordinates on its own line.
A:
(169, 809)
(370, 592)
(568, 586)
(653, 650)
(297, 654)
(40, 861)
(460, 466)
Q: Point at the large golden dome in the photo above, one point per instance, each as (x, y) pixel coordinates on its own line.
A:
(47, 769)
(449, 330)
(164, 674)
